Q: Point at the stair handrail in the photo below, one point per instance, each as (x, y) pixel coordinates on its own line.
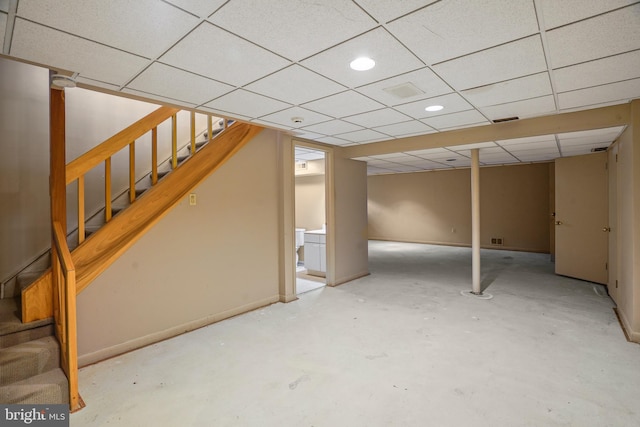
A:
(64, 285)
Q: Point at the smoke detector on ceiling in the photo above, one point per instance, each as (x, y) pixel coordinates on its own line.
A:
(60, 81)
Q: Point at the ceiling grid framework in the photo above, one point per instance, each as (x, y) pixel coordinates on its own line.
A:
(270, 62)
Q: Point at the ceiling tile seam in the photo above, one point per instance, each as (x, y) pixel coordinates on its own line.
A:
(596, 104)
(289, 105)
(366, 11)
(12, 14)
(602, 84)
(338, 44)
(409, 118)
(151, 95)
(512, 102)
(597, 59)
(506, 81)
(545, 49)
(594, 16)
(405, 46)
(179, 8)
(412, 12)
(218, 9)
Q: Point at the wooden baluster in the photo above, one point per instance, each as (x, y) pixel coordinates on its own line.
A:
(132, 172)
(154, 156)
(209, 127)
(193, 133)
(72, 341)
(81, 231)
(174, 141)
(107, 189)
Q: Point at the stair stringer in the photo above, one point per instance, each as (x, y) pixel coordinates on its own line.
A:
(103, 247)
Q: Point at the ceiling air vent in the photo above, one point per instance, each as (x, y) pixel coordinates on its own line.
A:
(404, 90)
(506, 119)
(597, 149)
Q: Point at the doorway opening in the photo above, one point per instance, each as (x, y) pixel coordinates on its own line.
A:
(310, 219)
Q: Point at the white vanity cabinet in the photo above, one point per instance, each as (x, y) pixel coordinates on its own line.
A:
(315, 254)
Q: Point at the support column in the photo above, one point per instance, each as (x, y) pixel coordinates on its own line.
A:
(475, 220)
(286, 219)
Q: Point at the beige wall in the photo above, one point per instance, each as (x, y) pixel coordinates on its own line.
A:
(435, 207)
(197, 265)
(310, 202)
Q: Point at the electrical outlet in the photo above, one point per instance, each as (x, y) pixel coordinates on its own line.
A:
(192, 199)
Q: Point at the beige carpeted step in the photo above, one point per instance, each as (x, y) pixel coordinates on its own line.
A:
(50, 387)
(13, 331)
(28, 359)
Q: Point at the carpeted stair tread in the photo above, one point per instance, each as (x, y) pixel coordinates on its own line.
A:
(10, 322)
(23, 336)
(28, 359)
(25, 279)
(50, 387)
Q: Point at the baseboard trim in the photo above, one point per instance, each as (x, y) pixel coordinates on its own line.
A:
(344, 280)
(287, 298)
(629, 333)
(134, 344)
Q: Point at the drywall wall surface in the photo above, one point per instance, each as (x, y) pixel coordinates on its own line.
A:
(310, 202)
(25, 226)
(199, 264)
(435, 207)
(350, 219)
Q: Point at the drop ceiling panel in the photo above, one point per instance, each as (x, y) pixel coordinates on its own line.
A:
(424, 79)
(386, 116)
(343, 104)
(4, 6)
(143, 27)
(396, 157)
(509, 91)
(620, 91)
(505, 62)
(612, 132)
(178, 84)
(244, 102)
(201, 8)
(447, 30)
(563, 12)
(462, 118)
(295, 85)
(549, 151)
(496, 159)
(3, 27)
(365, 135)
(431, 153)
(542, 145)
(486, 146)
(391, 59)
(522, 109)
(411, 127)
(235, 116)
(537, 157)
(334, 140)
(96, 83)
(202, 50)
(277, 25)
(604, 35)
(284, 117)
(602, 71)
(332, 127)
(452, 103)
(527, 140)
(44, 45)
(386, 11)
(158, 98)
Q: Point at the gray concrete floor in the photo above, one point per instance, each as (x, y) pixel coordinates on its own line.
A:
(401, 347)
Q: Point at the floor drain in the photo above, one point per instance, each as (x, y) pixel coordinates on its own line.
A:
(484, 295)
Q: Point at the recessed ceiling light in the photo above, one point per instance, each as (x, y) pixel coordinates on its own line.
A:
(432, 108)
(362, 64)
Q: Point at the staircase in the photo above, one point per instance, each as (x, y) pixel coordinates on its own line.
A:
(30, 354)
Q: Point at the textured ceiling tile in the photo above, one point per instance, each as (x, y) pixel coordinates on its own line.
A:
(537, 157)
(604, 35)
(284, 117)
(485, 145)
(332, 127)
(505, 62)
(563, 12)
(498, 159)
(529, 146)
(178, 84)
(526, 108)
(620, 91)
(295, 85)
(391, 59)
(4, 5)
(382, 117)
(425, 80)
(243, 102)
(143, 27)
(202, 51)
(462, 118)
(385, 11)
(602, 71)
(334, 141)
(510, 90)
(430, 152)
(151, 97)
(412, 127)
(201, 8)
(450, 29)
(527, 140)
(321, 24)
(452, 103)
(96, 83)
(43, 45)
(343, 104)
(365, 135)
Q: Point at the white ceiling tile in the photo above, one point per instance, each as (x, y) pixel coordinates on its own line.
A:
(204, 49)
(377, 171)
(511, 90)
(505, 62)
(295, 85)
(178, 84)
(3, 27)
(201, 8)
(96, 83)
(496, 159)
(284, 117)
(537, 157)
(269, 124)
(549, 151)
(450, 29)
(377, 118)
(484, 145)
(527, 140)
(158, 98)
(602, 71)
(143, 27)
(620, 91)
(611, 132)
(391, 59)
(452, 103)
(526, 108)
(332, 127)
(4, 5)
(226, 114)
(430, 152)
(385, 11)
(44, 45)
(365, 135)
(396, 157)
(542, 145)
(424, 79)
(331, 21)
(404, 168)
(411, 127)
(343, 104)
(307, 135)
(586, 137)
(604, 35)
(333, 140)
(244, 102)
(462, 118)
(563, 12)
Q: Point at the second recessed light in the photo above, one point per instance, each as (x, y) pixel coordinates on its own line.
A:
(362, 64)
(432, 108)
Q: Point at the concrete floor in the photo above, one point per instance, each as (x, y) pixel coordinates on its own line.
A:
(401, 347)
